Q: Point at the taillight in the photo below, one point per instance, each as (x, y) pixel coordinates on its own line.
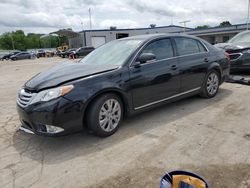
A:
(227, 55)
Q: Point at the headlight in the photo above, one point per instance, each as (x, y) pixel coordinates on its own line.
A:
(50, 94)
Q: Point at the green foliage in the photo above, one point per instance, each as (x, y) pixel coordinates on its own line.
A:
(6, 41)
(19, 41)
(202, 27)
(225, 24)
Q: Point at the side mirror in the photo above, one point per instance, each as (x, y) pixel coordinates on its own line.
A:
(143, 58)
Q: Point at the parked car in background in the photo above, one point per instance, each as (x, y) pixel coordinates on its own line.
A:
(66, 53)
(120, 78)
(22, 55)
(238, 49)
(40, 53)
(83, 51)
(7, 56)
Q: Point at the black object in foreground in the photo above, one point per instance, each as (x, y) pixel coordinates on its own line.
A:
(183, 179)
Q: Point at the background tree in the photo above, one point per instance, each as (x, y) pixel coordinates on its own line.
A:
(20, 41)
(6, 41)
(32, 41)
(225, 24)
(202, 27)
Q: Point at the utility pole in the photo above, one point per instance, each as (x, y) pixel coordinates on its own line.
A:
(184, 24)
(248, 13)
(90, 22)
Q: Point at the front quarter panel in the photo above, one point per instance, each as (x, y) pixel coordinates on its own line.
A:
(85, 90)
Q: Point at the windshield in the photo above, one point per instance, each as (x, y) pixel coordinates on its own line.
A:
(115, 52)
(241, 37)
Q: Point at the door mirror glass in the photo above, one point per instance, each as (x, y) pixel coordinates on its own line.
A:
(144, 57)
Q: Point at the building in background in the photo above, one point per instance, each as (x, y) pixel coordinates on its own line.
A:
(97, 38)
(218, 34)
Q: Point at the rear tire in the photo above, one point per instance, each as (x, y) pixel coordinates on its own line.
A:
(105, 115)
(211, 84)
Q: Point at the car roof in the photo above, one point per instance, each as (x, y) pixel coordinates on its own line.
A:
(23, 52)
(155, 36)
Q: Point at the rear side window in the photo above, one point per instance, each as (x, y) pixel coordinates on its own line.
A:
(186, 46)
(162, 49)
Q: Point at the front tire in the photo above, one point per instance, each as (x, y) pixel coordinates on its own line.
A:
(105, 115)
(211, 84)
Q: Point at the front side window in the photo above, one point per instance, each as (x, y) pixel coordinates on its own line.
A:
(186, 46)
(162, 49)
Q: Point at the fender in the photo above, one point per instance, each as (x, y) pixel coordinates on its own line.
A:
(125, 97)
(216, 66)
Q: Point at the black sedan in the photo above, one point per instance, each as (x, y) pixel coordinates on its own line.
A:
(41, 53)
(83, 51)
(66, 53)
(238, 49)
(120, 78)
(21, 55)
(7, 56)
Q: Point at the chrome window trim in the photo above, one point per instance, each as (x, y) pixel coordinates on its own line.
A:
(168, 98)
(176, 56)
(155, 61)
(203, 44)
(192, 54)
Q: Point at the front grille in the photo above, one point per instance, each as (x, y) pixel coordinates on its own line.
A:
(235, 56)
(25, 97)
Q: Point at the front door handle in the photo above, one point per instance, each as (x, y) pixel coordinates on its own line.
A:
(174, 67)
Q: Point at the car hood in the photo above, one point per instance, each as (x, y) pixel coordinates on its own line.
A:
(232, 46)
(65, 72)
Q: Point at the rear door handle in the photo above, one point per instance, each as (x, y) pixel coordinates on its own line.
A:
(173, 67)
(206, 60)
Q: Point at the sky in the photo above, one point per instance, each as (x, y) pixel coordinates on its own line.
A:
(45, 16)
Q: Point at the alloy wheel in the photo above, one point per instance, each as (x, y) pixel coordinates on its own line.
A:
(110, 115)
(212, 83)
